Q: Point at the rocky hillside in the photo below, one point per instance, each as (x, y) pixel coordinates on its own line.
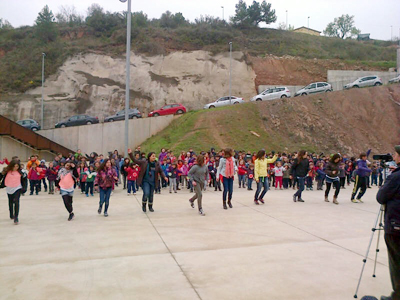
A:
(189, 64)
(346, 121)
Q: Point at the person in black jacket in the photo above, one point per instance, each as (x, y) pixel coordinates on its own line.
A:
(332, 177)
(150, 171)
(389, 195)
(124, 166)
(300, 169)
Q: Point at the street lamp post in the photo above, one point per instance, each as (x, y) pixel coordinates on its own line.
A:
(42, 105)
(230, 72)
(391, 33)
(223, 13)
(287, 26)
(128, 73)
(308, 22)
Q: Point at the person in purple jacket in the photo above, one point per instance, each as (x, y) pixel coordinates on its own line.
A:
(362, 174)
(162, 155)
(51, 174)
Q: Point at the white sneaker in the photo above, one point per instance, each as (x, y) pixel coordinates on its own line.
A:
(201, 212)
(128, 194)
(134, 194)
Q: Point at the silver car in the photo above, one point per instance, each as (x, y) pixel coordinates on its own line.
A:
(223, 101)
(272, 93)
(313, 88)
(371, 80)
(395, 80)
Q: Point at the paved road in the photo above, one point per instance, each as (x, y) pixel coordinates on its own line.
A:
(280, 250)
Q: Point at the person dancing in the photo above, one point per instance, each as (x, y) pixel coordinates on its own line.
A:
(332, 177)
(148, 179)
(197, 174)
(227, 169)
(68, 176)
(16, 183)
(300, 168)
(261, 175)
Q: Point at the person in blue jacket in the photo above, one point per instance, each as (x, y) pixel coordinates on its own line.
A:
(361, 175)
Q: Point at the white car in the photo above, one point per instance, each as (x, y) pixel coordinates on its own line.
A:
(395, 80)
(371, 80)
(313, 88)
(223, 101)
(272, 93)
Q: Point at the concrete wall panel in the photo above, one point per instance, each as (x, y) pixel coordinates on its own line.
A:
(105, 137)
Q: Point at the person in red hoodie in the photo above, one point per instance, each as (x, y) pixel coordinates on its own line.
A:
(34, 178)
(133, 174)
(242, 171)
(43, 169)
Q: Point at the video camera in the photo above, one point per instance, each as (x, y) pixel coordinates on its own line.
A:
(383, 157)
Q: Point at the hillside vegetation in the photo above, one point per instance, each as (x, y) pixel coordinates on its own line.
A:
(21, 49)
(345, 121)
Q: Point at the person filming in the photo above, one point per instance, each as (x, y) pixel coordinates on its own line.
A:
(389, 195)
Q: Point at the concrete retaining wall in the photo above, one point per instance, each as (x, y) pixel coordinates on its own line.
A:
(339, 78)
(10, 147)
(105, 137)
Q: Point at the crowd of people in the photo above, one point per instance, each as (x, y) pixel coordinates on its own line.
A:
(153, 172)
(197, 172)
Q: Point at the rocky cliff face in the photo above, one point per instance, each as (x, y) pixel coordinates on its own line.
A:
(95, 84)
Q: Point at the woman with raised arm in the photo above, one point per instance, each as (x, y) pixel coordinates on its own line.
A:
(150, 170)
(261, 175)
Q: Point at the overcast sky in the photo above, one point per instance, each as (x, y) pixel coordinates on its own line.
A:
(374, 17)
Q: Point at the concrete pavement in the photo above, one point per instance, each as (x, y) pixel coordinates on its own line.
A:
(280, 250)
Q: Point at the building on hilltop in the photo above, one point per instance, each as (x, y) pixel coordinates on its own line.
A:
(363, 37)
(307, 30)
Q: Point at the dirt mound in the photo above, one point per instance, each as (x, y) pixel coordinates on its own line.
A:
(272, 70)
(345, 121)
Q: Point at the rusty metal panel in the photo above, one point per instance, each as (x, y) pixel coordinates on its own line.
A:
(29, 137)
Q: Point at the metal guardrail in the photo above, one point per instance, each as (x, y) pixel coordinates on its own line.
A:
(27, 136)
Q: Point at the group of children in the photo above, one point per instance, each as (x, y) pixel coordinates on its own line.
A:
(42, 176)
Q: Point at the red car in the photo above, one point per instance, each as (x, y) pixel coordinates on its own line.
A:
(171, 109)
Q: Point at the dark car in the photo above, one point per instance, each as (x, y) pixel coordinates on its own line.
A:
(171, 109)
(30, 124)
(78, 120)
(134, 113)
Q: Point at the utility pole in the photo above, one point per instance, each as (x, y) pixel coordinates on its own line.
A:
(128, 74)
(308, 22)
(287, 25)
(230, 72)
(223, 13)
(42, 104)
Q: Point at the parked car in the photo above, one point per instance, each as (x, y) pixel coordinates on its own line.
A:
(77, 120)
(313, 88)
(371, 80)
(395, 80)
(134, 113)
(223, 101)
(272, 93)
(30, 124)
(171, 109)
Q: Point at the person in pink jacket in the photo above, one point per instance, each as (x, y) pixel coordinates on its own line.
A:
(15, 182)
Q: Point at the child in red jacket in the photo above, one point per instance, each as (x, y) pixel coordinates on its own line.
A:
(133, 174)
(242, 171)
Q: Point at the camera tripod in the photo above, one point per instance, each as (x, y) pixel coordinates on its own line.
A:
(379, 219)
